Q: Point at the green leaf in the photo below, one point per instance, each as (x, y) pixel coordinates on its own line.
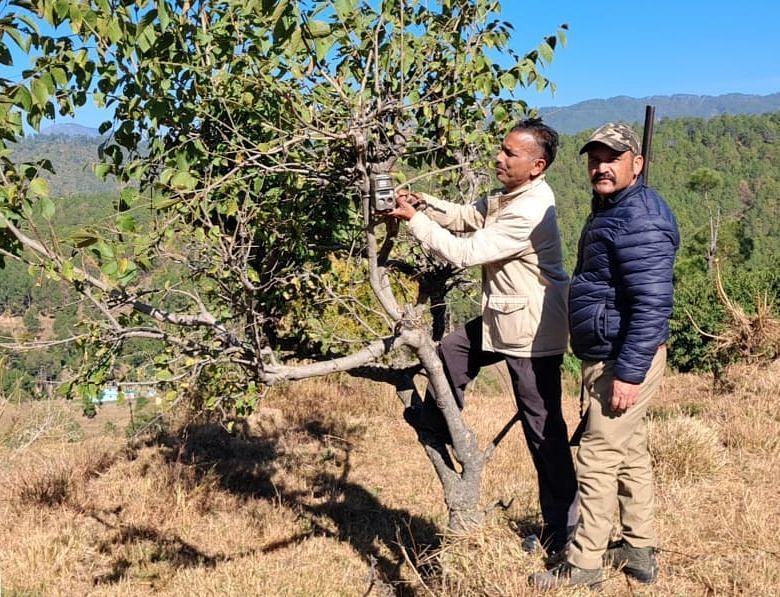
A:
(164, 202)
(60, 75)
(546, 51)
(110, 267)
(126, 271)
(40, 92)
(508, 81)
(68, 272)
(499, 113)
(5, 55)
(343, 8)
(183, 181)
(46, 206)
(83, 238)
(125, 223)
(101, 170)
(318, 29)
(162, 13)
(23, 41)
(279, 10)
(114, 31)
(105, 250)
(146, 38)
(22, 98)
(322, 47)
(39, 186)
(127, 197)
(62, 9)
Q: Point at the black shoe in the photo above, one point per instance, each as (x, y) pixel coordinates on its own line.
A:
(555, 557)
(553, 554)
(639, 563)
(566, 575)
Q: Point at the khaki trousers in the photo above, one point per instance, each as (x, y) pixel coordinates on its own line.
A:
(613, 465)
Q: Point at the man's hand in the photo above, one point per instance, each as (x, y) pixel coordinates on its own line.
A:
(406, 205)
(624, 395)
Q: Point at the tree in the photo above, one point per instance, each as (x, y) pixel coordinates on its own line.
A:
(704, 180)
(250, 130)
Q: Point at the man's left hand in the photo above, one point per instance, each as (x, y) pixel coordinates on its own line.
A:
(624, 395)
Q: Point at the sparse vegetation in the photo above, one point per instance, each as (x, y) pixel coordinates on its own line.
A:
(334, 498)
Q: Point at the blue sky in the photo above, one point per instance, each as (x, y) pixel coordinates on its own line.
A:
(662, 47)
(640, 49)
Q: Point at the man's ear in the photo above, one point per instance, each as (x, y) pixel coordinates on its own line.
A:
(639, 162)
(539, 166)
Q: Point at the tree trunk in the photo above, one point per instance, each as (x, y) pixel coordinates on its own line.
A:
(461, 478)
(712, 250)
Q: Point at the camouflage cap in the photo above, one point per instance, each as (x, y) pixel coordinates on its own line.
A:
(615, 135)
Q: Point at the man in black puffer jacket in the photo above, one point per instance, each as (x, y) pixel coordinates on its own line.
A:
(620, 301)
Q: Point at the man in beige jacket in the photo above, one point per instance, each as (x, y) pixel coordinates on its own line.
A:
(514, 237)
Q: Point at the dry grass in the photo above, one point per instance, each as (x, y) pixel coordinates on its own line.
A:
(326, 492)
(684, 448)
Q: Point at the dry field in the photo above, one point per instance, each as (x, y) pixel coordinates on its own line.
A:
(326, 492)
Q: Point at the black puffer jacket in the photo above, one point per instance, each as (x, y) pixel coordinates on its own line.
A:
(620, 297)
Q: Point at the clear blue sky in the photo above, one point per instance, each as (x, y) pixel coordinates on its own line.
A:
(640, 49)
(662, 47)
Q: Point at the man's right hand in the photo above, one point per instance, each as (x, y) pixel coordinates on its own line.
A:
(624, 395)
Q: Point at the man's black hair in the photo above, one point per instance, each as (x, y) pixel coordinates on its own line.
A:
(545, 136)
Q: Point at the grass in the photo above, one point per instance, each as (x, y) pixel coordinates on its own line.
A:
(326, 492)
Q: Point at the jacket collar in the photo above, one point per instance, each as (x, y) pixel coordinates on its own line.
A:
(531, 184)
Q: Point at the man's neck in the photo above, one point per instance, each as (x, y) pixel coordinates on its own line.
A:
(525, 185)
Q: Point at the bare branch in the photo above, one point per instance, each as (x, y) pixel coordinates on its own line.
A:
(273, 374)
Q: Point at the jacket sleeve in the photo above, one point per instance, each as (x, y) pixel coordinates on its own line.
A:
(644, 255)
(508, 236)
(454, 216)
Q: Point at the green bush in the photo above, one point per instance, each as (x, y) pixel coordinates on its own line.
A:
(697, 305)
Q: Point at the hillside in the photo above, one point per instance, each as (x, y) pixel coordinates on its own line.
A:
(741, 151)
(327, 493)
(72, 156)
(69, 130)
(73, 149)
(592, 113)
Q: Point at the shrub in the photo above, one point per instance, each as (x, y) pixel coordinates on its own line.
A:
(712, 328)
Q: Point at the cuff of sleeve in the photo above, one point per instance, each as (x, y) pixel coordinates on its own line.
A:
(416, 222)
(629, 375)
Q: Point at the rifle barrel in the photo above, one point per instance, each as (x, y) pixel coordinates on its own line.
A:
(647, 140)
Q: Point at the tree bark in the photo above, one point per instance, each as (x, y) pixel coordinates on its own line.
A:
(459, 471)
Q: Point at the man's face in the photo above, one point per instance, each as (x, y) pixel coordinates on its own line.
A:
(519, 160)
(611, 171)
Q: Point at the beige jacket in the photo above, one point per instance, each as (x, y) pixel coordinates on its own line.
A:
(515, 238)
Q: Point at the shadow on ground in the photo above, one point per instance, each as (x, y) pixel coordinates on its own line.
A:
(384, 537)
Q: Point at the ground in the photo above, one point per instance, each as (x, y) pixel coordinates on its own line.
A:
(326, 492)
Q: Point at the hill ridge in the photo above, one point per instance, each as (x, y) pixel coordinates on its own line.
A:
(591, 113)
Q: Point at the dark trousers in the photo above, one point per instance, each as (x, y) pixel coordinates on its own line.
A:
(536, 382)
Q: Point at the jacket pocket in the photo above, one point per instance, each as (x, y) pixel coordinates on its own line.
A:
(600, 323)
(509, 320)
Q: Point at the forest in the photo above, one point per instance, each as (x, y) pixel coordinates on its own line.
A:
(719, 175)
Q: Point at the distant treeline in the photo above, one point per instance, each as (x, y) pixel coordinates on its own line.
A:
(719, 175)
